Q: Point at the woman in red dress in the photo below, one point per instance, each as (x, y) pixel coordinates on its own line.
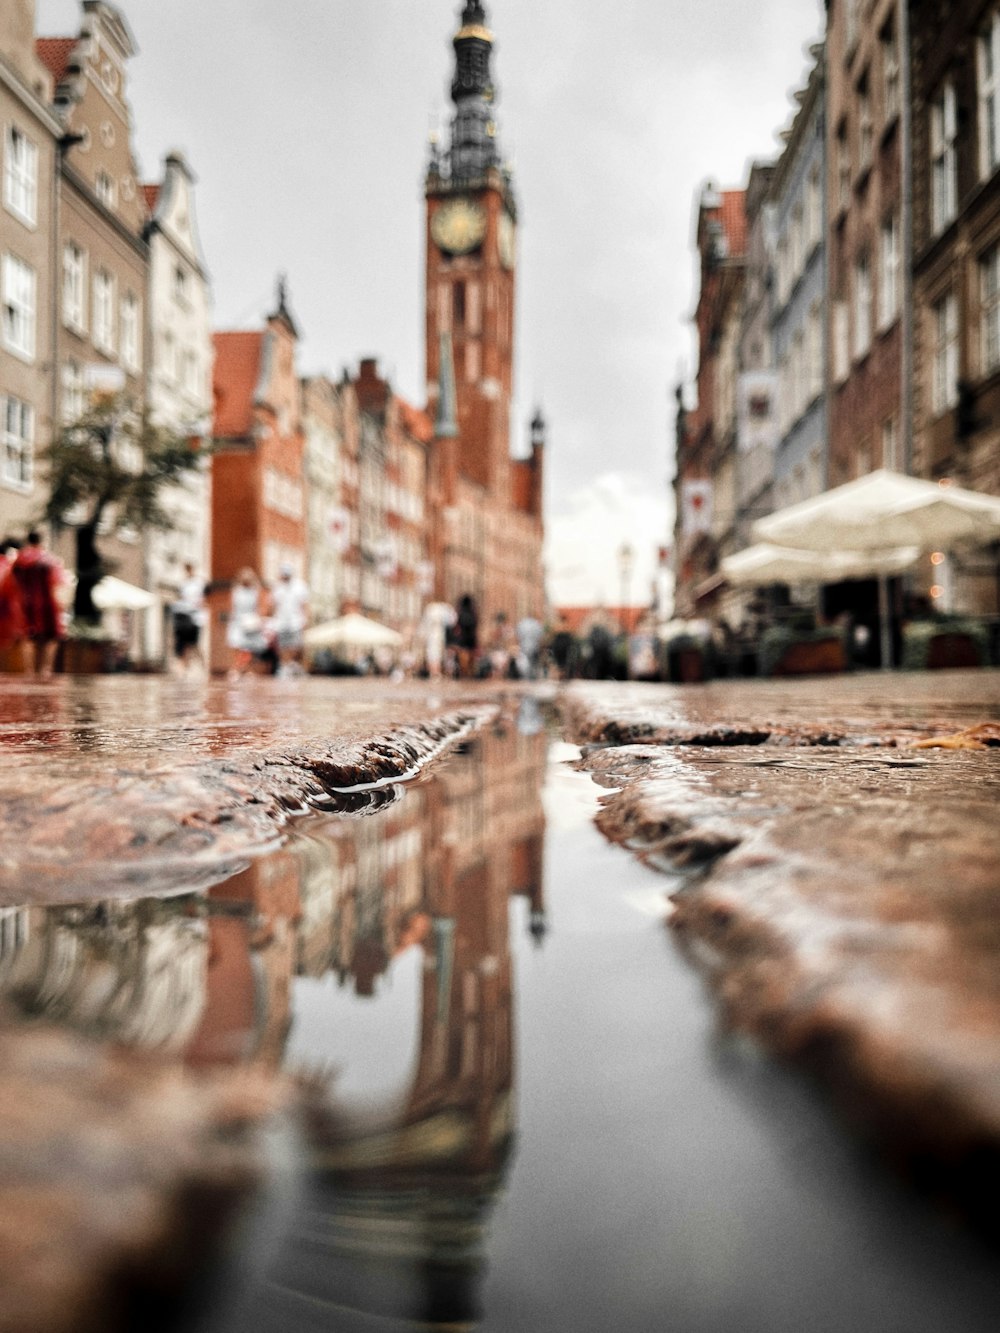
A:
(11, 615)
(38, 575)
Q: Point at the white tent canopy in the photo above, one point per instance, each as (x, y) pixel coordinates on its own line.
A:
(351, 631)
(763, 564)
(885, 510)
(112, 594)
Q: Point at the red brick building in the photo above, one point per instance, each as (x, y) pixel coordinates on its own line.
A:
(702, 437)
(488, 540)
(258, 468)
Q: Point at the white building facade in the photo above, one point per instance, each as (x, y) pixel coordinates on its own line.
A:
(180, 385)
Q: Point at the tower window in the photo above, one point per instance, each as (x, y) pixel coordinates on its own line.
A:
(458, 304)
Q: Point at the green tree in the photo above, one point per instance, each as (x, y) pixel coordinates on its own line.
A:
(111, 466)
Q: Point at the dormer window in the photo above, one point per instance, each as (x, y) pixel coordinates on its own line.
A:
(182, 286)
(104, 187)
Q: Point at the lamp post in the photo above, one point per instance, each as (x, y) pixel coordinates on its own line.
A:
(625, 557)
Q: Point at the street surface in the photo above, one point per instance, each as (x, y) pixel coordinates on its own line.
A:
(238, 942)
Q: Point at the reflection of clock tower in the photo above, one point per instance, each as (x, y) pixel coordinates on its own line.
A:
(471, 217)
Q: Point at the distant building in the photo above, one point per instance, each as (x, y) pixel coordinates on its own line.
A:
(28, 155)
(258, 467)
(330, 522)
(489, 539)
(180, 381)
(866, 110)
(956, 265)
(100, 242)
(706, 439)
(799, 300)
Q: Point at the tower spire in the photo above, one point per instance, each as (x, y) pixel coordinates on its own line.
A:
(474, 147)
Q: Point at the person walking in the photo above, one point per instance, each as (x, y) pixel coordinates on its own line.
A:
(466, 634)
(39, 575)
(530, 636)
(245, 634)
(188, 614)
(438, 619)
(11, 614)
(289, 617)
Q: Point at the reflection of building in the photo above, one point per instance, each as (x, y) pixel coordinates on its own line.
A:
(403, 1191)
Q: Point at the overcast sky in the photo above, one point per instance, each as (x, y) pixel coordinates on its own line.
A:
(307, 123)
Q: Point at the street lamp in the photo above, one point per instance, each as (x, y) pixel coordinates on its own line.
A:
(625, 558)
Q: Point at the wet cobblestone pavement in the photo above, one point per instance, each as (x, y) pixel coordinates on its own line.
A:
(827, 856)
(838, 848)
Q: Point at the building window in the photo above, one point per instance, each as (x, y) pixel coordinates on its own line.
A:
(843, 167)
(890, 71)
(131, 333)
(19, 288)
(104, 187)
(889, 272)
(841, 341)
(182, 287)
(866, 126)
(104, 311)
(814, 210)
(989, 305)
(814, 340)
(72, 392)
(18, 443)
(989, 97)
(944, 158)
(74, 287)
(458, 304)
(20, 175)
(944, 387)
(890, 443)
(862, 305)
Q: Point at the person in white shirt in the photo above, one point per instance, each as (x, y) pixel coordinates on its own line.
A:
(289, 617)
(189, 618)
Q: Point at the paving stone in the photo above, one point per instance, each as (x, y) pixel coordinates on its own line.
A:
(843, 902)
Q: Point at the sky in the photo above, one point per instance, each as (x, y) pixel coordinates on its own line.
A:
(307, 125)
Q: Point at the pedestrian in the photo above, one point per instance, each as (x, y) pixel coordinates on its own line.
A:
(438, 619)
(530, 635)
(466, 634)
(11, 613)
(245, 634)
(289, 616)
(563, 648)
(39, 575)
(188, 614)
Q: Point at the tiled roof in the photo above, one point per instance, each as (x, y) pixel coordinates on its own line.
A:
(54, 53)
(416, 423)
(237, 369)
(152, 194)
(734, 221)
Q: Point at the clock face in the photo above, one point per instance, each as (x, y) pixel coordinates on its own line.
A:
(507, 241)
(459, 226)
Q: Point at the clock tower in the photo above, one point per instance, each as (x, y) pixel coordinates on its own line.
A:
(487, 530)
(471, 254)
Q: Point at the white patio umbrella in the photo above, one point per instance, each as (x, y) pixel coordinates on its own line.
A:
(111, 594)
(882, 511)
(351, 631)
(759, 565)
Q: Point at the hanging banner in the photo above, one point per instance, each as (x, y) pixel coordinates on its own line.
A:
(756, 410)
(696, 507)
(338, 526)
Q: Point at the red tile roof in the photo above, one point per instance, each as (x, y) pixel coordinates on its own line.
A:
(416, 423)
(152, 194)
(734, 221)
(54, 53)
(237, 369)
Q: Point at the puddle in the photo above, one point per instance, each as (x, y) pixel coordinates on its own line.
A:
(525, 1120)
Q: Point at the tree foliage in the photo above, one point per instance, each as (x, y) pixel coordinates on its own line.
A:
(111, 468)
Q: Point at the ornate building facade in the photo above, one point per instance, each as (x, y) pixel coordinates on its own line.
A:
(488, 540)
